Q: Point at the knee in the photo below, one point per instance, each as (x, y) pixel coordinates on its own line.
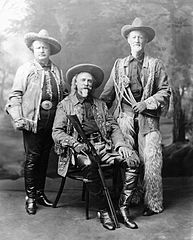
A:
(31, 159)
(128, 167)
(83, 161)
(32, 156)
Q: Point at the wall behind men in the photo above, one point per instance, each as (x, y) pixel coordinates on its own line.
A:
(89, 31)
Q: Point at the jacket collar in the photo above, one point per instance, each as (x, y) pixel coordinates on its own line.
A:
(76, 101)
(39, 67)
(130, 58)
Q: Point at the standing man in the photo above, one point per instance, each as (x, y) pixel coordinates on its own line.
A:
(139, 90)
(36, 91)
(102, 130)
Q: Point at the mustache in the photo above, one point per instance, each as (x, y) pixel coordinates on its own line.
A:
(87, 88)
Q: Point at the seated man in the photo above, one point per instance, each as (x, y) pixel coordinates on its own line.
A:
(102, 130)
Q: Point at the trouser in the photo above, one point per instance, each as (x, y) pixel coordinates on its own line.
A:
(150, 152)
(90, 171)
(130, 179)
(37, 149)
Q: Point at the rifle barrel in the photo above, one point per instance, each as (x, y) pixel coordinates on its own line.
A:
(76, 124)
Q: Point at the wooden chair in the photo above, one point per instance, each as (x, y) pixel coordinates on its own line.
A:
(76, 174)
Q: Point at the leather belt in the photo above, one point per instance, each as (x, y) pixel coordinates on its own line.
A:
(95, 137)
(46, 105)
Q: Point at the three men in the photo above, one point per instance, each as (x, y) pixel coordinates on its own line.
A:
(102, 130)
(36, 91)
(138, 86)
(139, 91)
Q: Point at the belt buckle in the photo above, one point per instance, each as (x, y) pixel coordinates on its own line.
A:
(46, 105)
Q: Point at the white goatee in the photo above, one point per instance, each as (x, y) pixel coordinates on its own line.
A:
(84, 92)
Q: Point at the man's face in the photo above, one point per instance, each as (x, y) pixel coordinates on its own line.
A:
(41, 51)
(84, 82)
(137, 40)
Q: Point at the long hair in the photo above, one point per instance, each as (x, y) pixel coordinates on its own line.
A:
(73, 87)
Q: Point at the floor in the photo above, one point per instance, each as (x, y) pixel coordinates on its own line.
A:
(67, 222)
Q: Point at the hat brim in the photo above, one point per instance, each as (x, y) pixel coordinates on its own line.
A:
(125, 30)
(55, 47)
(94, 70)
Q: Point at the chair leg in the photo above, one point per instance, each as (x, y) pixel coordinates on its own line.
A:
(87, 202)
(83, 191)
(59, 192)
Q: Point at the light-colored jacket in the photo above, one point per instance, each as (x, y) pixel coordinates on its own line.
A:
(65, 137)
(156, 91)
(25, 97)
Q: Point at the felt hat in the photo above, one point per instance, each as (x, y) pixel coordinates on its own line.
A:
(138, 24)
(94, 70)
(43, 35)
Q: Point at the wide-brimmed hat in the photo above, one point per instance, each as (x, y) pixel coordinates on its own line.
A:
(43, 35)
(94, 70)
(137, 24)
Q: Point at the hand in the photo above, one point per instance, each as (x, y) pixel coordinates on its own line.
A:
(20, 124)
(139, 107)
(125, 152)
(80, 147)
(130, 155)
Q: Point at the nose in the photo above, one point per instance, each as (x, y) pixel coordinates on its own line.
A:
(86, 82)
(42, 49)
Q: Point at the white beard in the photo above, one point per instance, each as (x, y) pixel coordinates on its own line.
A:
(84, 93)
(136, 49)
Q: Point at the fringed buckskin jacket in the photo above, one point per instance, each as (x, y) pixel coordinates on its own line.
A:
(156, 91)
(25, 97)
(65, 136)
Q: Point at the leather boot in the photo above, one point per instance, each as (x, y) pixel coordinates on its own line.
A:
(42, 199)
(29, 177)
(106, 220)
(129, 184)
(128, 222)
(148, 212)
(30, 206)
(95, 187)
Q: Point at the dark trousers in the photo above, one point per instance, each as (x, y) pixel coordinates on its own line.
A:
(37, 149)
(90, 171)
